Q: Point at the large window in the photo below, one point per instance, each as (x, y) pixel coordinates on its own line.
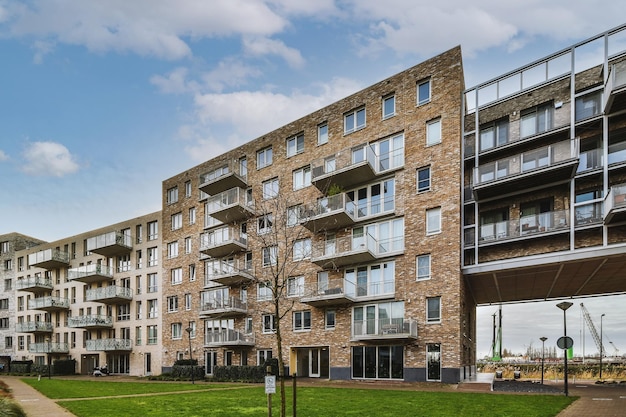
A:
(172, 249)
(295, 286)
(269, 321)
(177, 276)
(264, 223)
(322, 134)
(172, 303)
(423, 92)
(433, 310)
(177, 330)
(589, 105)
(264, 291)
(354, 120)
(423, 179)
(378, 362)
(433, 132)
(153, 230)
(301, 178)
(172, 195)
(423, 267)
(270, 188)
(389, 106)
(153, 309)
(301, 320)
(536, 120)
(295, 145)
(329, 319)
(152, 335)
(264, 158)
(371, 280)
(270, 255)
(153, 256)
(123, 312)
(301, 249)
(433, 220)
(153, 284)
(494, 134)
(373, 199)
(293, 215)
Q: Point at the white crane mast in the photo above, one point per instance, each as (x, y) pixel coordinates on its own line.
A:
(592, 328)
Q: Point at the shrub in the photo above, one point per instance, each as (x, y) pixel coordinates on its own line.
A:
(9, 408)
(239, 373)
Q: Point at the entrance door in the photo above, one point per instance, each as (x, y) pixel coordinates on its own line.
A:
(314, 363)
(433, 362)
(210, 361)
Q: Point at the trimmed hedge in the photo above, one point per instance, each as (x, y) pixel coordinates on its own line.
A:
(239, 373)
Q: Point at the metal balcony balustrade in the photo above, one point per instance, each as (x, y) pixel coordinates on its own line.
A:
(230, 206)
(590, 160)
(90, 321)
(328, 293)
(49, 259)
(617, 153)
(34, 284)
(329, 213)
(350, 250)
(34, 327)
(384, 329)
(589, 214)
(615, 87)
(534, 225)
(48, 347)
(231, 174)
(110, 244)
(615, 204)
(110, 295)
(49, 303)
(223, 307)
(90, 273)
(222, 241)
(109, 345)
(229, 273)
(227, 337)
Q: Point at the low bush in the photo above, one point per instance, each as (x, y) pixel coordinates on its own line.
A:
(9, 408)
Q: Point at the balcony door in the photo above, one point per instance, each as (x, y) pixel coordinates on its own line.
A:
(211, 362)
(536, 216)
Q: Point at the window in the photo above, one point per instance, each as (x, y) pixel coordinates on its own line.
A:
(192, 325)
(172, 303)
(172, 195)
(153, 256)
(248, 329)
(8, 265)
(177, 221)
(20, 343)
(172, 250)
(423, 179)
(374, 199)
(322, 134)
(270, 255)
(192, 215)
(139, 310)
(265, 223)
(376, 319)
(177, 330)
(5, 247)
(8, 284)
(293, 215)
(153, 285)
(152, 335)
(4, 323)
(423, 267)
(153, 230)
(188, 244)
(433, 220)
(370, 281)
(433, 310)
(378, 362)
(301, 249)
(494, 224)
(423, 92)
(187, 301)
(177, 276)
(295, 286)
(295, 145)
(268, 323)
(433, 132)
(264, 158)
(8, 342)
(4, 304)
(153, 309)
(301, 178)
(270, 188)
(264, 291)
(192, 272)
(263, 355)
(123, 312)
(138, 340)
(494, 134)
(354, 120)
(389, 106)
(301, 320)
(536, 120)
(329, 319)
(589, 105)
(187, 189)
(123, 263)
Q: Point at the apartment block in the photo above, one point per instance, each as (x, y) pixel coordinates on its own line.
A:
(357, 206)
(92, 297)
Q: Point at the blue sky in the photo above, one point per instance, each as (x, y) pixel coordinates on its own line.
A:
(102, 100)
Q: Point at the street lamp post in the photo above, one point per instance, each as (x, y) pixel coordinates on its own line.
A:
(543, 354)
(48, 346)
(564, 306)
(189, 330)
(601, 346)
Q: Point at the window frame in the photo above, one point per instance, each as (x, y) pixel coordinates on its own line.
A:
(434, 319)
(172, 195)
(301, 249)
(271, 188)
(301, 177)
(294, 145)
(295, 286)
(271, 320)
(264, 157)
(421, 101)
(430, 140)
(322, 133)
(354, 116)
(430, 231)
(303, 316)
(423, 188)
(385, 100)
(423, 277)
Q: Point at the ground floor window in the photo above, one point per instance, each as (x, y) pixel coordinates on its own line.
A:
(381, 362)
(118, 364)
(433, 362)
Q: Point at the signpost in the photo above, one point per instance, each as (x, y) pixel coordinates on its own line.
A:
(270, 388)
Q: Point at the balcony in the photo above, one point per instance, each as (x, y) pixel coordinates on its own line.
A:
(589, 214)
(228, 176)
(91, 321)
(110, 244)
(49, 259)
(229, 273)
(327, 294)
(230, 206)
(538, 167)
(48, 347)
(34, 284)
(227, 338)
(331, 213)
(34, 327)
(112, 294)
(615, 88)
(528, 226)
(346, 168)
(90, 273)
(354, 250)
(223, 241)
(615, 204)
(230, 307)
(590, 161)
(384, 329)
(49, 303)
(617, 154)
(109, 345)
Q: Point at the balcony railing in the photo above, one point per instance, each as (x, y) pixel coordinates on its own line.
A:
(329, 293)
(383, 329)
(227, 337)
(230, 205)
(110, 244)
(617, 153)
(534, 225)
(49, 259)
(222, 241)
(109, 345)
(34, 327)
(49, 303)
(34, 284)
(351, 250)
(615, 204)
(590, 160)
(588, 214)
(90, 321)
(615, 84)
(90, 273)
(110, 295)
(329, 213)
(48, 347)
(231, 174)
(228, 273)
(223, 307)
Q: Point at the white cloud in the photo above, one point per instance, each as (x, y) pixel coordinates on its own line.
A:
(260, 46)
(3, 156)
(48, 158)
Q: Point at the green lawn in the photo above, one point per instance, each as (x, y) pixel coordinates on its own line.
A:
(312, 401)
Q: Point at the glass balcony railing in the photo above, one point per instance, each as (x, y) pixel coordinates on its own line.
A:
(109, 344)
(90, 273)
(590, 160)
(34, 283)
(112, 292)
(49, 258)
(223, 241)
(349, 250)
(228, 337)
(231, 174)
(588, 214)
(34, 327)
(617, 153)
(615, 204)
(388, 328)
(231, 304)
(230, 206)
(91, 320)
(328, 292)
(111, 243)
(537, 224)
(48, 303)
(48, 347)
(616, 81)
(228, 272)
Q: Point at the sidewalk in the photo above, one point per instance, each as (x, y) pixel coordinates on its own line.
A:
(32, 401)
(606, 400)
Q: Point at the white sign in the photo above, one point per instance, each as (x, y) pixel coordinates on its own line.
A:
(270, 384)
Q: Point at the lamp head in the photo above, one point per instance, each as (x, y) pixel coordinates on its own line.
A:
(543, 338)
(564, 305)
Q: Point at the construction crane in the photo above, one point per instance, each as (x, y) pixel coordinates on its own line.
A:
(496, 341)
(592, 329)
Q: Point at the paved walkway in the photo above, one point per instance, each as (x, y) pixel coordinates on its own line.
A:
(596, 400)
(32, 401)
